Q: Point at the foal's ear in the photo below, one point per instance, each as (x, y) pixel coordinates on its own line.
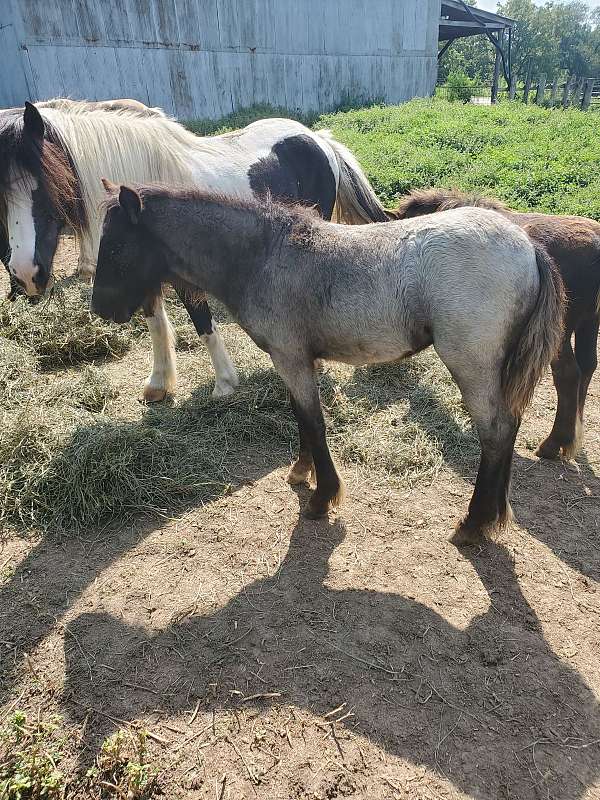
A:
(33, 122)
(131, 203)
(110, 188)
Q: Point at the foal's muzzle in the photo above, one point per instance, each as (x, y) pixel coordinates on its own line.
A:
(105, 305)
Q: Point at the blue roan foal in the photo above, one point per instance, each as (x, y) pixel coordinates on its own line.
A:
(467, 281)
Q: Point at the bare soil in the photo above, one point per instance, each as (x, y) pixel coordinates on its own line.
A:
(274, 657)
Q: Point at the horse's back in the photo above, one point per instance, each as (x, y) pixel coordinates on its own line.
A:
(288, 161)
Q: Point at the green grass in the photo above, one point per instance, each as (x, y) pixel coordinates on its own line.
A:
(31, 751)
(533, 158)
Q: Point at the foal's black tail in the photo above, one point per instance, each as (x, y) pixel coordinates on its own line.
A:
(540, 339)
(356, 201)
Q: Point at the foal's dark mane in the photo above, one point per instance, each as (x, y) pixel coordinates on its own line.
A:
(429, 201)
(297, 219)
(48, 161)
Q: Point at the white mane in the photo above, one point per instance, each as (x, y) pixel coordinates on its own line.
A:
(124, 147)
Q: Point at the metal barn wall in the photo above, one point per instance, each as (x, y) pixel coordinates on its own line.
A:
(206, 58)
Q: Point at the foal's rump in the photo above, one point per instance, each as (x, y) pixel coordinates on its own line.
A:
(495, 298)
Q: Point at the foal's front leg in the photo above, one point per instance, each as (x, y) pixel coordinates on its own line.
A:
(162, 381)
(299, 377)
(226, 377)
(304, 468)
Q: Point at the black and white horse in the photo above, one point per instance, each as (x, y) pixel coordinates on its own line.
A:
(52, 157)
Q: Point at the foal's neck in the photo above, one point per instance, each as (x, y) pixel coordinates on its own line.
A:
(212, 245)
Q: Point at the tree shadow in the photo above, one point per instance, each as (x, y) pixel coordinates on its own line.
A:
(490, 707)
(564, 493)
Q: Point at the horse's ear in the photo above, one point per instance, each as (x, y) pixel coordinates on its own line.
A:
(131, 203)
(33, 122)
(109, 186)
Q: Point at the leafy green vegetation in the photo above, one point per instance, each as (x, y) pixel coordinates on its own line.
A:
(34, 763)
(122, 768)
(30, 756)
(553, 37)
(460, 87)
(532, 158)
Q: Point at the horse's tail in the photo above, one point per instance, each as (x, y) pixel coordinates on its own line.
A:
(540, 339)
(356, 201)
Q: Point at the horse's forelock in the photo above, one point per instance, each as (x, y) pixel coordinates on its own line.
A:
(58, 176)
(15, 159)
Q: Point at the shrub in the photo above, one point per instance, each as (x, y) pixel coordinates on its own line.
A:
(460, 87)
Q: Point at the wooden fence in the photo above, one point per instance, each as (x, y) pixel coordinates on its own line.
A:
(565, 92)
(574, 91)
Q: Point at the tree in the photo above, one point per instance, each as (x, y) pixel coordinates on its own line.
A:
(560, 35)
(534, 38)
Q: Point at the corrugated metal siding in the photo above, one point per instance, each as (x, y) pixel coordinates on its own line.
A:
(206, 58)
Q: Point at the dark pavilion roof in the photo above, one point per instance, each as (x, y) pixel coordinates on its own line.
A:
(457, 21)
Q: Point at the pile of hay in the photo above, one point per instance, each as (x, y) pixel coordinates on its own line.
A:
(61, 330)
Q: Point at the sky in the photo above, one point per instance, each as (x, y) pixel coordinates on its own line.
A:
(490, 5)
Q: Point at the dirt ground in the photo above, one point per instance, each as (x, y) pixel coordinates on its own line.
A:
(278, 658)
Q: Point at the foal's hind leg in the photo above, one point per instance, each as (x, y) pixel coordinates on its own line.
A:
(162, 381)
(226, 377)
(567, 380)
(478, 377)
(490, 507)
(299, 377)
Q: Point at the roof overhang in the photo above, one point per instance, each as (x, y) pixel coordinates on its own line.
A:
(456, 21)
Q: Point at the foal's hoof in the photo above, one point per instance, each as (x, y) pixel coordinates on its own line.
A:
(548, 449)
(316, 509)
(153, 395)
(467, 535)
(299, 475)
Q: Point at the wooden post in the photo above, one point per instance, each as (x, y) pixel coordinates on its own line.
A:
(527, 84)
(566, 92)
(554, 94)
(541, 90)
(578, 91)
(587, 94)
(512, 89)
(496, 77)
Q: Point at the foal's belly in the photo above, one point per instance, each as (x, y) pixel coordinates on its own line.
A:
(361, 355)
(362, 359)
(378, 348)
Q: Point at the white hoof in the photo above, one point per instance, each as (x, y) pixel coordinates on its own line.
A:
(224, 388)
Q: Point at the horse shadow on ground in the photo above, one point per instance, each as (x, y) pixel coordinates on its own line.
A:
(546, 496)
(490, 708)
